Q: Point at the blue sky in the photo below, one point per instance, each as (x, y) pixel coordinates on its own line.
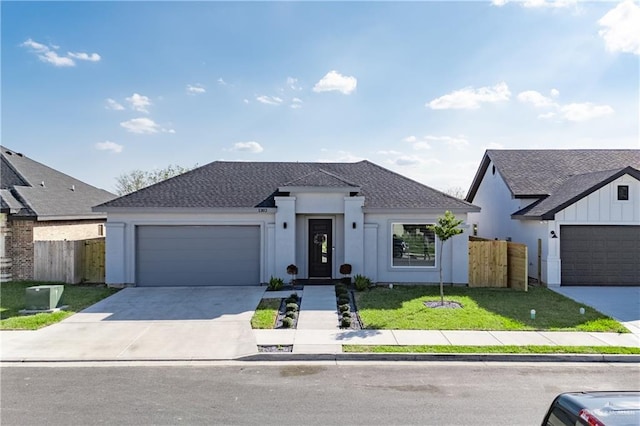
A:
(97, 89)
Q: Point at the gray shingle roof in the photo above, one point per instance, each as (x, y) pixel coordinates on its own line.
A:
(30, 188)
(255, 184)
(557, 177)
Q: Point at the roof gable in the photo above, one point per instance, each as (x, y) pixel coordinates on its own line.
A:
(572, 190)
(255, 184)
(33, 189)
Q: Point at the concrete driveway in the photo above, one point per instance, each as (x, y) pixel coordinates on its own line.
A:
(620, 303)
(160, 323)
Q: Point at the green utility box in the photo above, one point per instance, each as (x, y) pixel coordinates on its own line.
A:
(43, 297)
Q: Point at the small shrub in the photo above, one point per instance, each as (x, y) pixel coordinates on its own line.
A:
(293, 296)
(344, 308)
(291, 307)
(290, 300)
(287, 322)
(342, 300)
(291, 314)
(361, 282)
(275, 284)
(346, 315)
(292, 269)
(345, 322)
(345, 280)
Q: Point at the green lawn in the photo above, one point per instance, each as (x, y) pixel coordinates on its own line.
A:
(402, 308)
(265, 314)
(12, 296)
(493, 349)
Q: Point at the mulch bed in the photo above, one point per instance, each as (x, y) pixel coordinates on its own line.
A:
(356, 322)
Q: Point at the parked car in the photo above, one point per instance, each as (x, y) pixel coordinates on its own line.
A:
(399, 246)
(613, 408)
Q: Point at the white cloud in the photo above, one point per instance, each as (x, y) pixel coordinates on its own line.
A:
(296, 103)
(384, 152)
(222, 82)
(499, 2)
(552, 4)
(195, 89)
(547, 115)
(109, 146)
(53, 58)
(584, 111)
(246, 101)
(49, 55)
(139, 102)
(114, 105)
(459, 142)
(554, 93)
(470, 98)
(251, 146)
(621, 28)
(34, 45)
(141, 125)
(269, 100)
(535, 98)
(410, 139)
(93, 57)
(406, 160)
(334, 81)
(293, 83)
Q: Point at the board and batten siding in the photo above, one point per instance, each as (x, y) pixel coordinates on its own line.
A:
(603, 207)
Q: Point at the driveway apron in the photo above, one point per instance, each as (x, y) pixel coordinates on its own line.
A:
(620, 303)
(159, 323)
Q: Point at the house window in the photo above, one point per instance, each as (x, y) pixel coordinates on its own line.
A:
(412, 245)
(623, 192)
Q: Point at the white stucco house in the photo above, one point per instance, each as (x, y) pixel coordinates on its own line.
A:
(240, 223)
(578, 211)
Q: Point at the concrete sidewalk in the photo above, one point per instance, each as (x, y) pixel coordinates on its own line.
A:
(206, 324)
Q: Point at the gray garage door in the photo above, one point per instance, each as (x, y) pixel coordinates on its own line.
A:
(197, 255)
(600, 255)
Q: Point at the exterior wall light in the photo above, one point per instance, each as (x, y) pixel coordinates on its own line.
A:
(553, 234)
(353, 225)
(284, 225)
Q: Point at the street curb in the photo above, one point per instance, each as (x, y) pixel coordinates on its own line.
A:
(360, 357)
(288, 356)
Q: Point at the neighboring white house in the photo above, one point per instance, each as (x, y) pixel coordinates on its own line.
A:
(240, 223)
(583, 206)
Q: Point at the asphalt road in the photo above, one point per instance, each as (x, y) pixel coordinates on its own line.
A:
(311, 394)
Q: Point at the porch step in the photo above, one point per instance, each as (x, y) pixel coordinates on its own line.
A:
(318, 308)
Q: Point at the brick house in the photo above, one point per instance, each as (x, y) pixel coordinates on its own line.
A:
(38, 203)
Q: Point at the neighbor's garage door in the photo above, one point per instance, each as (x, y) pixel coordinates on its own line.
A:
(600, 255)
(197, 255)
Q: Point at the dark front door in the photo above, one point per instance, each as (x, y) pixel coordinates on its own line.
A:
(320, 248)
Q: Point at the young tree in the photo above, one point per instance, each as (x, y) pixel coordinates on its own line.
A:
(138, 179)
(448, 226)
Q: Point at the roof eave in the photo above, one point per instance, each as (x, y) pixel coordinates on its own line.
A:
(318, 189)
(156, 210)
(422, 210)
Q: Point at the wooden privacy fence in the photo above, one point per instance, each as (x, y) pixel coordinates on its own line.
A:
(497, 263)
(71, 262)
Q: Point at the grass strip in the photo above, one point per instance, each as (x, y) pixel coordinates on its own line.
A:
(266, 314)
(530, 349)
(76, 296)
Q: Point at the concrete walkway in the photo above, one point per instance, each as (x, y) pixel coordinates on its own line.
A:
(213, 323)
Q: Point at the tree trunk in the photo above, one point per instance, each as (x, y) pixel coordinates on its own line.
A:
(441, 284)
